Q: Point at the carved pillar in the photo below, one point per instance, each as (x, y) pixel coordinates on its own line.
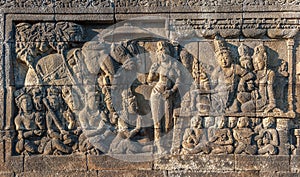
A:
(2, 104)
(283, 126)
(297, 134)
(291, 70)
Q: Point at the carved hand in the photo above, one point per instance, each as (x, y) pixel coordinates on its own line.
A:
(38, 132)
(138, 123)
(128, 65)
(167, 93)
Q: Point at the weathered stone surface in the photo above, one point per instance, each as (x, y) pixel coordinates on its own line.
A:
(181, 93)
(196, 162)
(105, 162)
(131, 173)
(262, 163)
(56, 163)
(214, 174)
(51, 173)
(7, 174)
(295, 165)
(13, 164)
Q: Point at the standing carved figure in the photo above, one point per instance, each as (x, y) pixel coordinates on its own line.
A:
(162, 99)
(200, 97)
(281, 85)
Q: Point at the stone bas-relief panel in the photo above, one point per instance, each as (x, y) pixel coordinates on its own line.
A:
(150, 95)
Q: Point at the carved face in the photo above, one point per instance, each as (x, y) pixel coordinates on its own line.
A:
(250, 85)
(222, 122)
(232, 121)
(258, 62)
(37, 99)
(196, 122)
(71, 98)
(26, 104)
(208, 122)
(132, 105)
(268, 122)
(93, 101)
(243, 122)
(224, 59)
(54, 102)
(283, 66)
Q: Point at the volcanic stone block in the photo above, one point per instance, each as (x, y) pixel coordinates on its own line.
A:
(55, 163)
(262, 163)
(124, 163)
(196, 162)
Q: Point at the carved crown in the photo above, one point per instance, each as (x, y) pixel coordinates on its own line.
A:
(220, 45)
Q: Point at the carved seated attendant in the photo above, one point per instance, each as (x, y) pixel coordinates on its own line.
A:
(264, 80)
(243, 136)
(91, 117)
(221, 140)
(267, 139)
(28, 124)
(56, 124)
(129, 138)
(195, 138)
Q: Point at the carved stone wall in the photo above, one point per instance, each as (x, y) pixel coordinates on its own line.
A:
(149, 88)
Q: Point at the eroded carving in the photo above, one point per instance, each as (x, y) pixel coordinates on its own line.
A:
(224, 102)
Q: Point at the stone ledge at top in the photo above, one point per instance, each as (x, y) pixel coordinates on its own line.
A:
(145, 6)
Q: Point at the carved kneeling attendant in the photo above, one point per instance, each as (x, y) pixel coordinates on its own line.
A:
(195, 138)
(267, 139)
(221, 140)
(243, 136)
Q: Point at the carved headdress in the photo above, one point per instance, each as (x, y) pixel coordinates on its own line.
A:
(244, 50)
(220, 45)
(53, 91)
(20, 95)
(261, 51)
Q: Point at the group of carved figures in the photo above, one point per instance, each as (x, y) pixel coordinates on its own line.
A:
(50, 122)
(46, 125)
(246, 86)
(231, 135)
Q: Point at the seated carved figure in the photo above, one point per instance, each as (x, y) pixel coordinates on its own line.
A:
(267, 139)
(246, 92)
(221, 140)
(28, 124)
(265, 101)
(91, 117)
(195, 138)
(225, 79)
(130, 138)
(59, 137)
(243, 137)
